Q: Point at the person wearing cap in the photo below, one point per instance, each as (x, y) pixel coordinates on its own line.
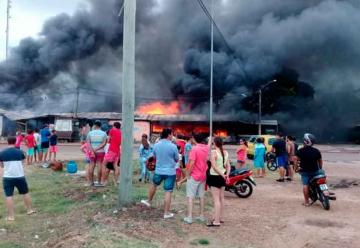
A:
(310, 164)
(96, 140)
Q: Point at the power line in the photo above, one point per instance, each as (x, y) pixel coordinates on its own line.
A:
(207, 13)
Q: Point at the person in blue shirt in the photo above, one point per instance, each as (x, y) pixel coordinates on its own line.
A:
(145, 151)
(259, 157)
(45, 135)
(166, 155)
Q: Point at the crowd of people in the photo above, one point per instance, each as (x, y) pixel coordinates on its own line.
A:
(196, 160)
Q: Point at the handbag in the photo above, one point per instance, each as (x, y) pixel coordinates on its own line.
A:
(151, 163)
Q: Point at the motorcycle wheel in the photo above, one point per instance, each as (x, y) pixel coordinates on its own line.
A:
(243, 189)
(271, 165)
(326, 202)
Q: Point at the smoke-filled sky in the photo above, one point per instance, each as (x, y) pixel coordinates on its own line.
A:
(310, 47)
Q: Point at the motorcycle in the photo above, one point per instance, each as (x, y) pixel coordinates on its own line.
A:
(318, 190)
(271, 161)
(240, 182)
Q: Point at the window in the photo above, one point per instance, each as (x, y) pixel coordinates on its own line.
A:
(271, 141)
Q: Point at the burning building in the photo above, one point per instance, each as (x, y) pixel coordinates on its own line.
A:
(310, 47)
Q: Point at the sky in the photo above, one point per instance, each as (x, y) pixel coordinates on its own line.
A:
(27, 18)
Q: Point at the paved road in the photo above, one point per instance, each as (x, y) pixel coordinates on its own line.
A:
(331, 153)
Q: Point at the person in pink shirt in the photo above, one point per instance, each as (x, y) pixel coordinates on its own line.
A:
(241, 154)
(112, 155)
(19, 139)
(196, 176)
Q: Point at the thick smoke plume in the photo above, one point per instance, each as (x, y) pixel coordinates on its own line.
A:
(310, 47)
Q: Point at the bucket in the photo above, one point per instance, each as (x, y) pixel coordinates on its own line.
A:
(71, 167)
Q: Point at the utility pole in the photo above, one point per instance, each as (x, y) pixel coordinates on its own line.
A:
(260, 96)
(7, 28)
(77, 101)
(211, 70)
(128, 102)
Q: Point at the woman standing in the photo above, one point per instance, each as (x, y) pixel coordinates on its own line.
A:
(145, 151)
(241, 154)
(259, 157)
(219, 172)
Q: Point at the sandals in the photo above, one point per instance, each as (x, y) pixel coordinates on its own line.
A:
(30, 212)
(8, 219)
(211, 224)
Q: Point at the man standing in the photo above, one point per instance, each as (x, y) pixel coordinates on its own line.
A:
(310, 164)
(166, 155)
(196, 176)
(279, 147)
(96, 140)
(113, 153)
(45, 135)
(11, 160)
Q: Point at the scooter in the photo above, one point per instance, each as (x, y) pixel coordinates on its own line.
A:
(318, 190)
(240, 182)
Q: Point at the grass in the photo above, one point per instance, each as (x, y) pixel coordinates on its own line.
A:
(64, 206)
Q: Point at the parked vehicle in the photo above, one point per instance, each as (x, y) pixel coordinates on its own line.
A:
(271, 161)
(269, 141)
(240, 182)
(318, 190)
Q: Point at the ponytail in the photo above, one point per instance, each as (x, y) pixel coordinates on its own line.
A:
(219, 143)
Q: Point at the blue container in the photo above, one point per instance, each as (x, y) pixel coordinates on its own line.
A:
(71, 167)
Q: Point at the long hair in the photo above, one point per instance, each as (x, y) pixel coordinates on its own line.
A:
(219, 144)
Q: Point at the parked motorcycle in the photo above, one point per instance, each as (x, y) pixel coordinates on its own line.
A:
(318, 190)
(240, 182)
(271, 161)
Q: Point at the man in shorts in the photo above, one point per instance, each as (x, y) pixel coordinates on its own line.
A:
(96, 140)
(310, 164)
(45, 142)
(166, 155)
(279, 147)
(196, 176)
(113, 154)
(11, 159)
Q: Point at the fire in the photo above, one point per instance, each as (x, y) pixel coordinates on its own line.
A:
(160, 108)
(221, 133)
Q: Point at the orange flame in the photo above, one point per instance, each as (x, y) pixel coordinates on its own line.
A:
(160, 108)
(221, 133)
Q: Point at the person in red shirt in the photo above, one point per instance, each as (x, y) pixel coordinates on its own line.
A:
(113, 154)
(30, 143)
(19, 140)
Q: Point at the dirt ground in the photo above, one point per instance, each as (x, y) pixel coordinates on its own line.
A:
(272, 217)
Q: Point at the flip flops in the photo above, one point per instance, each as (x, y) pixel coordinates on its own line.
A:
(211, 224)
(30, 212)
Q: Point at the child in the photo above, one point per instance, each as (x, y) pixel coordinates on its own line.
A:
(37, 148)
(259, 157)
(53, 144)
(30, 143)
(11, 162)
(241, 154)
(88, 154)
(19, 139)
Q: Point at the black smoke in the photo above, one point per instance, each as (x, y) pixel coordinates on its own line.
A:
(310, 47)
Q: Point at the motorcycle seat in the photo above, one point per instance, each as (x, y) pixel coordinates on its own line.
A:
(239, 172)
(317, 177)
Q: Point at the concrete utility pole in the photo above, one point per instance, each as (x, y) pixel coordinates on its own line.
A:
(7, 28)
(77, 101)
(128, 102)
(211, 70)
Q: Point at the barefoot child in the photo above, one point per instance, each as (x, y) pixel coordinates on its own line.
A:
(53, 144)
(13, 176)
(30, 143)
(241, 154)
